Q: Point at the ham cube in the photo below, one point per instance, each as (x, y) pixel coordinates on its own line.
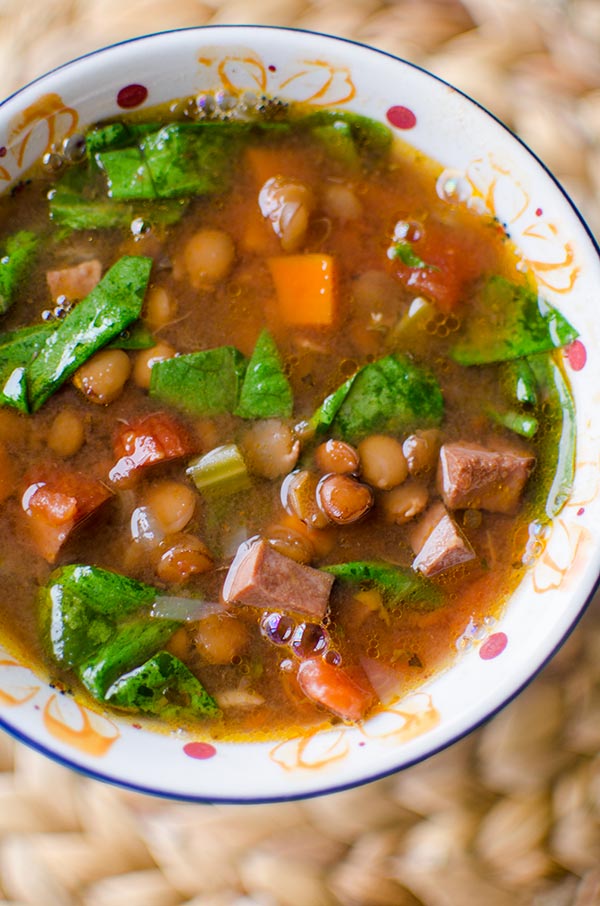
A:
(439, 544)
(473, 477)
(75, 282)
(262, 577)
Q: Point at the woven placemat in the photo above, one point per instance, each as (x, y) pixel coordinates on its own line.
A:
(511, 815)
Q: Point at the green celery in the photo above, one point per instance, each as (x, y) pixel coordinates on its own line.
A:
(221, 472)
(522, 423)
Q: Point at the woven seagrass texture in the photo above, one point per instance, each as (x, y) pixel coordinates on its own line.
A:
(511, 815)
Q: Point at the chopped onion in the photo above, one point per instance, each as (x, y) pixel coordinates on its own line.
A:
(383, 678)
(238, 698)
(145, 527)
(174, 607)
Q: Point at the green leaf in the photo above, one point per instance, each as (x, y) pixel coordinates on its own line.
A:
(324, 416)
(188, 162)
(162, 685)
(265, 391)
(523, 423)
(79, 608)
(17, 350)
(201, 383)
(131, 644)
(110, 307)
(403, 251)
(337, 139)
(520, 382)
(19, 254)
(138, 336)
(391, 395)
(127, 174)
(511, 321)
(371, 138)
(397, 585)
(556, 459)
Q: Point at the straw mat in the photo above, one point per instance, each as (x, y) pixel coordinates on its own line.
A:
(511, 815)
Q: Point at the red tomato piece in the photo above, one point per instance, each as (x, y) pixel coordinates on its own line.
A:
(55, 501)
(335, 689)
(147, 442)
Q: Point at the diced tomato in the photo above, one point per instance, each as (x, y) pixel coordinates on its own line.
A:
(55, 501)
(147, 442)
(453, 259)
(335, 689)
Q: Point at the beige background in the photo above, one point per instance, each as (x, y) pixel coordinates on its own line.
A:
(510, 816)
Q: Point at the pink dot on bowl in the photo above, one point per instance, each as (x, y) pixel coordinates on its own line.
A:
(3, 151)
(132, 96)
(538, 212)
(199, 750)
(493, 646)
(581, 511)
(576, 354)
(401, 117)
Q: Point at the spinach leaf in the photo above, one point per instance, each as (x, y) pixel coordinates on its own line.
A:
(162, 685)
(520, 382)
(397, 585)
(390, 395)
(523, 423)
(79, 607)
(265, 392)
(189, 161)
(371, 138)
(322, 419)
(19, 253)
(138, 336)
(337, 139)
(557, 460)
(110, 307)
(132, 643)
(17, 350)
(202, 383)
(109, 136)
(127, 174)
(403, 251)
(513, 322)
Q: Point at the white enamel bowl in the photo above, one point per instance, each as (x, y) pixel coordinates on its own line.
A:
(491, 169)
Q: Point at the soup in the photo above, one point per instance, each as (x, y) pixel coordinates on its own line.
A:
(281, 424)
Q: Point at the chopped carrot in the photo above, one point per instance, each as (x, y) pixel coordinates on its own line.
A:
(147, 442)
(55, 501)
(335, 689)
(265, 163)
(306, 289)
(258, 237)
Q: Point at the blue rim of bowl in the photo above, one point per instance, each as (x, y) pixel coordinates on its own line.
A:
(224, 800)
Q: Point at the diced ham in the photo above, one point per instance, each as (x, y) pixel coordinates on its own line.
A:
(55, 501)
(473, 477)
(438, 543)
(75, 282)
(147, 442)
(262, 577)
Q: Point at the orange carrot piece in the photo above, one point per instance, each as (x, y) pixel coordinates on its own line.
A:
(334, 688)
(306, 288)
(265, 163)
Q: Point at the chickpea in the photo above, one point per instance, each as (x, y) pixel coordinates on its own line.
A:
(383, 464)
(182, 557)
(342, 203)
(66, 434)
(270, 449)
(337, 456)
(160, 308)
(208, 256)
(421, 450)
(343, 499)
(172, 504)
(299, 497)
(404, 502)
(220, 638)
(293, 544)
(102, 378)
(145, 361)
(288, 204)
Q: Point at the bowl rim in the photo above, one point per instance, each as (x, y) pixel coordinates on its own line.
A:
(364, 777)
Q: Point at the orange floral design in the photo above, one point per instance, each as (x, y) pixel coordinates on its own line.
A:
(311, 751)
(48, 111)
(404, 720)
(78, 727)
(320, 84)
(562, 550)
(20, 691)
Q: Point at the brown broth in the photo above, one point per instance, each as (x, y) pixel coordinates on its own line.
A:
(416, 644)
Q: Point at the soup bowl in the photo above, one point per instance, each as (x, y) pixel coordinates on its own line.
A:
(484, 167)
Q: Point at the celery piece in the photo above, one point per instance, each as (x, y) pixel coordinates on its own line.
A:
(131, 644)
(110, 307)
(19, 253)
(162, 685)
(397, 585)
(521, 383)
(201, 383)
(521, 423)
(265, 391)
(220, 472)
